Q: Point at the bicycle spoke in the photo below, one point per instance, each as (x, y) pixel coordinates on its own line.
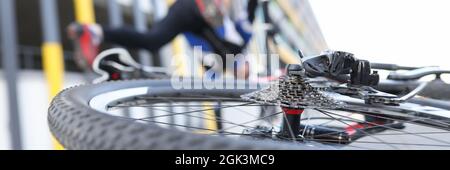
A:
(421, 133)
(333, 143)
(325, 118)
(203, 118)
(188, 113)
(389, 118)
(361, 121)
(390, 128)
(192, 97)
(306, 125)
(368, 134)
(391, 143)
(195, 111)
(332, 120)
(191, 127)
(199, 105)
(256, 119)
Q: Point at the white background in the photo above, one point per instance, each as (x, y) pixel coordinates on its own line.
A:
(407, 32)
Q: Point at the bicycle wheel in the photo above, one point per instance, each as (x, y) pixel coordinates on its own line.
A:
(115, 115)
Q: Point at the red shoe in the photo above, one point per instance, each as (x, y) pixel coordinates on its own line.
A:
(86, 39)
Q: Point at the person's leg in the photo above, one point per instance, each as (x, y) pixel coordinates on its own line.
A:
(182, 16)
